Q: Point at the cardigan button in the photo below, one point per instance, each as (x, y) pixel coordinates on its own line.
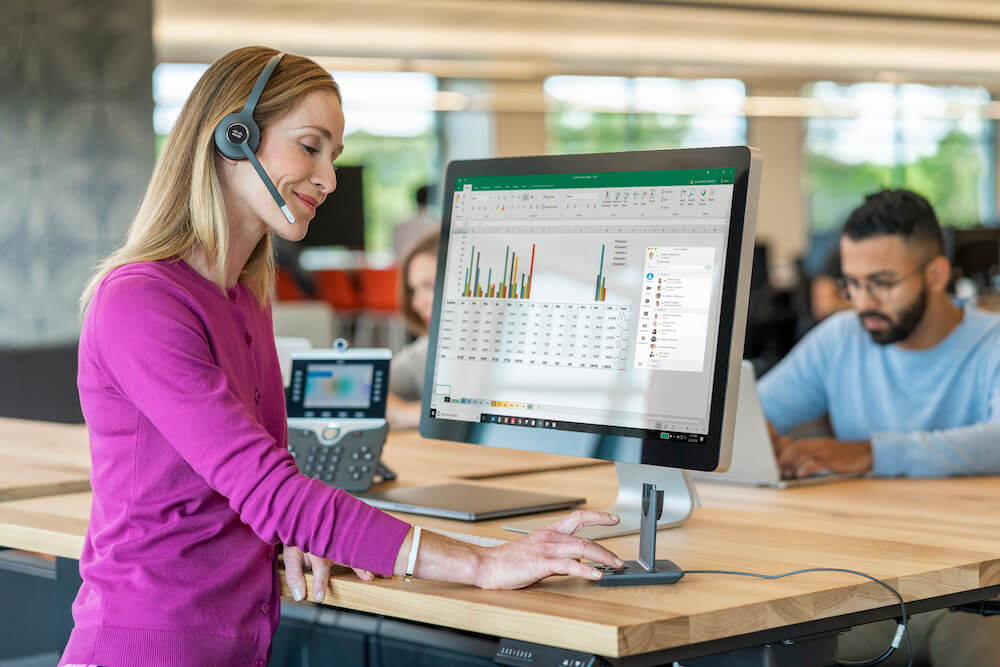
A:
(259, 662)
(256, 396)
(249, 338)
(264, 607)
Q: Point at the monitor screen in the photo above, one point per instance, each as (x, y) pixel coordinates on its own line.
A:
(974, 253)
(593, 305)
(340, 219)
(334, 384)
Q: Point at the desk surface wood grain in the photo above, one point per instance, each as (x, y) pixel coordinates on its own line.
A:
(413, 456)
(41, 458)
(924, 537)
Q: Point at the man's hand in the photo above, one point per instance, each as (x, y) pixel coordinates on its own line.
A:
(296, 562)
(778, 441)
(801, 458)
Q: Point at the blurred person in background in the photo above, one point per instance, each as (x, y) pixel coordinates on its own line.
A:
(416, 301)
(406, 233)
(825, 296)
(910, 381)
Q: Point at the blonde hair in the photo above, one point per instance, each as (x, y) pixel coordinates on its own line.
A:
(183, 208)
(425, 245)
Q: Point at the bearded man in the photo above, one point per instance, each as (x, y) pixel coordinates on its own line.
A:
(910, 382)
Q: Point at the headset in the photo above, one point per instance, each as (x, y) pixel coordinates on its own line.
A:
(237, 135)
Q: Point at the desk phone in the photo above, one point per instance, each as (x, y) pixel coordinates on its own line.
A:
(336, 414)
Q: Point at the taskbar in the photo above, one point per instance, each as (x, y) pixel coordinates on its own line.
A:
(581, 427)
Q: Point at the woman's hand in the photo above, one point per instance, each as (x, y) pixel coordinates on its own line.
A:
(296, 562)
(551, 550)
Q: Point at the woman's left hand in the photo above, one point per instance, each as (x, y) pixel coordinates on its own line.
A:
(296, 562)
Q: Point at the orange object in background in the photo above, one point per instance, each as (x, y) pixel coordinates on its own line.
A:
(364, 299)
(380, 310)
(339, 288)
(286, 288)
(379, 289)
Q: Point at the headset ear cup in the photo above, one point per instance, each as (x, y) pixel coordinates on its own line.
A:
(235, 130)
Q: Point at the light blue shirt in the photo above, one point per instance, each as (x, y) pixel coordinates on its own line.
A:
(927, 413)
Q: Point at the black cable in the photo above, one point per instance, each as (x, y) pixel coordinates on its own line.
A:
(864, 663)
(985, 608)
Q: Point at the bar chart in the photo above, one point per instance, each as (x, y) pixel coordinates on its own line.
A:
(511, 284)
(583, 268)
(601, 289)
(562, 301)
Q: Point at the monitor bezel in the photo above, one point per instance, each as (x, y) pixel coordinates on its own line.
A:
(713, 454)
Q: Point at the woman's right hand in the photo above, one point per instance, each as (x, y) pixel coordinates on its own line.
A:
(296, 562)
(543, 553)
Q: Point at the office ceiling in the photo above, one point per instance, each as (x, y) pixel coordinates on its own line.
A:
(956, 10)
(928, 40)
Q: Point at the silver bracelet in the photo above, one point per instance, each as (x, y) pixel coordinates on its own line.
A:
(411, 563)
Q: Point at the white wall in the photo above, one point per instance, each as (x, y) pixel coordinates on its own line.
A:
(781, 219)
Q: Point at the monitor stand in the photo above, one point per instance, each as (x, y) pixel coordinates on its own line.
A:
(679, 500)
(645, 569)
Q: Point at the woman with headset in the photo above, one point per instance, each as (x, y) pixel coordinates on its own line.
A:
(194, 488)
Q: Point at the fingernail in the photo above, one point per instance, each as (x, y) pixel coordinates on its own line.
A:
(595, 574)
(298, 594)
(615, 517)
(619, 562)
(320, 594)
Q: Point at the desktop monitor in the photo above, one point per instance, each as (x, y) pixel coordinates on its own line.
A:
(595, 305)
(340, 219)
(974, 253)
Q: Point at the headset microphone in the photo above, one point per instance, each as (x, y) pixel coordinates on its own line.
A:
(237, 135)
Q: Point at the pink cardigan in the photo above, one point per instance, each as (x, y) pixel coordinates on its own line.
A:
(193, 483)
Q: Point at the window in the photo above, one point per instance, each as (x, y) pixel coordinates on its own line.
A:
(933, 140)
(593, 113)
(391, 130)
(172, 83)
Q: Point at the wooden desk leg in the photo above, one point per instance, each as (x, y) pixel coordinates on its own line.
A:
(36, 614)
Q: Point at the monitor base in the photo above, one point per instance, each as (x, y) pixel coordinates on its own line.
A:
(645, 569)
(635, 574)
(679, 501)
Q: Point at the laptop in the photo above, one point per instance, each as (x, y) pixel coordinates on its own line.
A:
(467, 502)
(754, 462)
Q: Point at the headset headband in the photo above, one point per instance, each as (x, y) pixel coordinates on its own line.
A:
(262, 80)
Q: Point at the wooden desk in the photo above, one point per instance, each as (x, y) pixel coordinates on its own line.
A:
(55, 525)
(933, 540)
(41, 458)
(744, 529)
(421, 459)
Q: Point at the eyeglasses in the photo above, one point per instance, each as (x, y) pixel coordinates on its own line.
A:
(877, 288)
